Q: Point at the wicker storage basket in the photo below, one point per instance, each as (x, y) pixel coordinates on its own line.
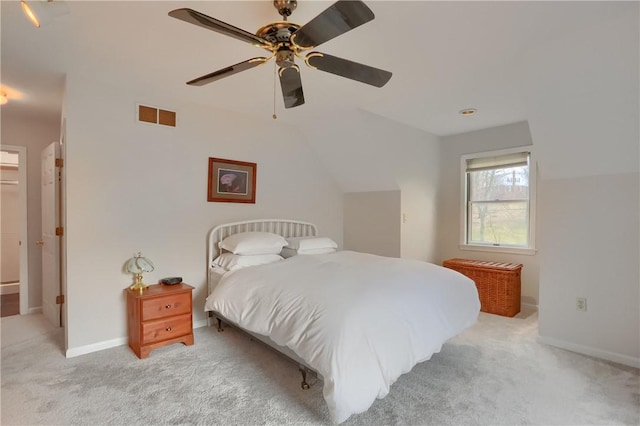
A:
(498, 284)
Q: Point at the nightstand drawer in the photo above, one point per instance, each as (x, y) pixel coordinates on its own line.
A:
(163, 329)
(161, 307)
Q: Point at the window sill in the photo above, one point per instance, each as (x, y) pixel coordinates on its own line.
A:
(494, 249)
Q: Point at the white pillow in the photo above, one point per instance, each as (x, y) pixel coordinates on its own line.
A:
(310, 243)
(230, 261)
(289, 252)
(249, 243)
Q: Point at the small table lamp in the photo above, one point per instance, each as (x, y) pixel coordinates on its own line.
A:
(137, 265)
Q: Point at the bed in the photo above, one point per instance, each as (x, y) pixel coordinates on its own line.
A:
(358, 321)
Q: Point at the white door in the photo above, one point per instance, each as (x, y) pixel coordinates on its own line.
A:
(50, 243)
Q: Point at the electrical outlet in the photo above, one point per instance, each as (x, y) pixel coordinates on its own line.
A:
(581, 304)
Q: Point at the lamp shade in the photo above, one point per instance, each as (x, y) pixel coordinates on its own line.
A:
(139, 264)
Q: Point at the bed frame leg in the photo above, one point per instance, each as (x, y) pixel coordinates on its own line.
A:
(220, 329)
(304, 383)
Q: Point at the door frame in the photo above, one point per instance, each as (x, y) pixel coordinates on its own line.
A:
(24, 236)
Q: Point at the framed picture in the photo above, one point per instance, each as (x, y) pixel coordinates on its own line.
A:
(231, 181)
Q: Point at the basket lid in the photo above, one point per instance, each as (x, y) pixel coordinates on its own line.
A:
(483, 264)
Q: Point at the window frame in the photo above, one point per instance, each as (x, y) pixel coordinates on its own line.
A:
(530, 249)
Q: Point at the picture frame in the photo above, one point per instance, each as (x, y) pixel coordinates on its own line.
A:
(231, 181)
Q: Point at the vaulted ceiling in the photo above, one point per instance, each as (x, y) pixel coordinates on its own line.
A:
(445, 56)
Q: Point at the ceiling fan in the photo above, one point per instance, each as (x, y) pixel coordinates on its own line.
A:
(286, 41)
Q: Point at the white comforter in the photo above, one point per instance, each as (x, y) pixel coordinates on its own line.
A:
(360, 320)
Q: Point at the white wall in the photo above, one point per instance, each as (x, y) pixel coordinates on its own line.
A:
(34, 133)
(136, 187)
(372, 222)
(365, 152)
(582, 100)
(449, 211)
(590, 249)
(419, 179)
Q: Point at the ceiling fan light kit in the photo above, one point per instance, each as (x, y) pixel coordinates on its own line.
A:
(287, 41)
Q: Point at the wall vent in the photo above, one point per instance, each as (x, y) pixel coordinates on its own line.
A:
(155, 115)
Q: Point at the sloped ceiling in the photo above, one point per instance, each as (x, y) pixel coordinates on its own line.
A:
(445, 56)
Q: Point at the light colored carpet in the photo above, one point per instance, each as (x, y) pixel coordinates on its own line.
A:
(493, 374)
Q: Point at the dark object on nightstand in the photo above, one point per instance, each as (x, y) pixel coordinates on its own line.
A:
(171, 280)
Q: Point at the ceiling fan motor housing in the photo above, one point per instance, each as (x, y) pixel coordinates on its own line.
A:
(278, 32)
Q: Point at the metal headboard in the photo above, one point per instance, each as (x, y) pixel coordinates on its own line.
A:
(284, 227)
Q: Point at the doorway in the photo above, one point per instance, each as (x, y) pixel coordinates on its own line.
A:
(14, 286)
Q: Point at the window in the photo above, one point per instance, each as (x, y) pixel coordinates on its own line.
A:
(499, 193)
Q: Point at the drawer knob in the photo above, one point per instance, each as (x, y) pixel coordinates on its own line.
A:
(168, 306)
(168, 328)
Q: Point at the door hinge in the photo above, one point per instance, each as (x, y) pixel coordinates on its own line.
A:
(59, 231)
(60, 299)
(59, 162)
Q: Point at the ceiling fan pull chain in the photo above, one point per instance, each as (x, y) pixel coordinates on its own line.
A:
(275, 71)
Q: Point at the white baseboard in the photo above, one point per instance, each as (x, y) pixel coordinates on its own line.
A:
(36, 310)
(590, 351)
(95, 347)
(529, 306)
(200, 323)
(108, 344)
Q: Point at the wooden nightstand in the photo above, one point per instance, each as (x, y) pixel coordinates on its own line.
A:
(160, 316)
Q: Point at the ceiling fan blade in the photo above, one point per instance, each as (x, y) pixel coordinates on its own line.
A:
(348, 69)
(228, 71)
(291, 85)
(194, 17)
(342, 16)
